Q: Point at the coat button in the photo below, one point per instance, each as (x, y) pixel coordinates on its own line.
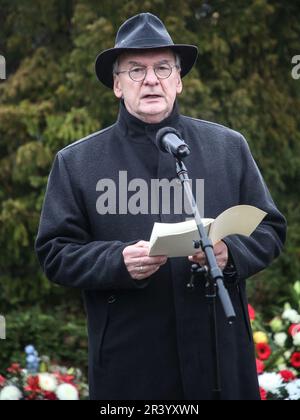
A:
(111, 299)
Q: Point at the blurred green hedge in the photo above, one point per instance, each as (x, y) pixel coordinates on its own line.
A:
(58, 334)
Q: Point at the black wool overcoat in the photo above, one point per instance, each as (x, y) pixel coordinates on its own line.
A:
(151, 339)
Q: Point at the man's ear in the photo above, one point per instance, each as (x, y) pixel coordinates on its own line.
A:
(117, 87)
(179, 84)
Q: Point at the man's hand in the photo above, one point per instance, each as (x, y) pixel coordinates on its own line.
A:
(139, 265)
(220, 251)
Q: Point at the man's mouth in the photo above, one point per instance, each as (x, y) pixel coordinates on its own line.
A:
(151, 96)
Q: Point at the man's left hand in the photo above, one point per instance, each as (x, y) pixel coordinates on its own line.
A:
(220, 251)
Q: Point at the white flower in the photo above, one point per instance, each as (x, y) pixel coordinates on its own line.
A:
(47, 382)
(67, 392)
(280, 339)
(270, 382)
(10, 393)
(291, 315)
(281, 363)
(288, 354)
(293, 389)
(282, 366)
(296, 339)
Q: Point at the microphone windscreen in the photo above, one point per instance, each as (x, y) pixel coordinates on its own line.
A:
(161, 133)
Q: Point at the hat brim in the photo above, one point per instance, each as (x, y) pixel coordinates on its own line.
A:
(105, 60)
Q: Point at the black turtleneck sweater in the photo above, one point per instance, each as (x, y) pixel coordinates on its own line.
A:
(150, 340)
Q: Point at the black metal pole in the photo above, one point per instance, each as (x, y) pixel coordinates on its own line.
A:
(214, 280)
(211, 295)
(206, 245)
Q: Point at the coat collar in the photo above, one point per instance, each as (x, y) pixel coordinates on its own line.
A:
(139, 131)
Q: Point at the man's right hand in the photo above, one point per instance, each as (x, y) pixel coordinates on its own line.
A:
(139, 265)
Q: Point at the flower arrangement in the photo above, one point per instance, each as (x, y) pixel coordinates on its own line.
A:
(41, 381)
(277, 345)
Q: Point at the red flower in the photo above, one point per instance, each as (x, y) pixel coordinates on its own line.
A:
(263, 394)
(263, 351)
(2, 380)
(67, 379)
(260, 367)
(49, 396)
(14, 368)
(32, 397)
(33, 384)
(251, 311)
(295, 360)
(287, 375)
(294, 329)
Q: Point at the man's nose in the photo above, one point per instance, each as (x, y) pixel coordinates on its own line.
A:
(151, 77)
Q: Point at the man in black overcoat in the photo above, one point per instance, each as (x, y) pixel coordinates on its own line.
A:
(149, 335)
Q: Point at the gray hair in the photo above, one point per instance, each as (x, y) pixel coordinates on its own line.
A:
(177, 63)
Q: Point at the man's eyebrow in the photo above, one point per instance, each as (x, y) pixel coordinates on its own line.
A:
(137, 63)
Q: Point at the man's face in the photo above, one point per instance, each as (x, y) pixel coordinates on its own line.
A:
(152, 99)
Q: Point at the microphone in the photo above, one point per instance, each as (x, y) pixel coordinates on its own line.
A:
(168, 140)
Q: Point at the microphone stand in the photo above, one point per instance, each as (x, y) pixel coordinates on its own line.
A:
(213, 275)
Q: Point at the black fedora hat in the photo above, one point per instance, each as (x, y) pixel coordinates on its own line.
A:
(142, 32)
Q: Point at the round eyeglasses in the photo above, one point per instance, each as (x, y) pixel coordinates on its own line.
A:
(139, 73)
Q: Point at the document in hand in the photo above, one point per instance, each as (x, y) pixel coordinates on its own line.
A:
(177, 239)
